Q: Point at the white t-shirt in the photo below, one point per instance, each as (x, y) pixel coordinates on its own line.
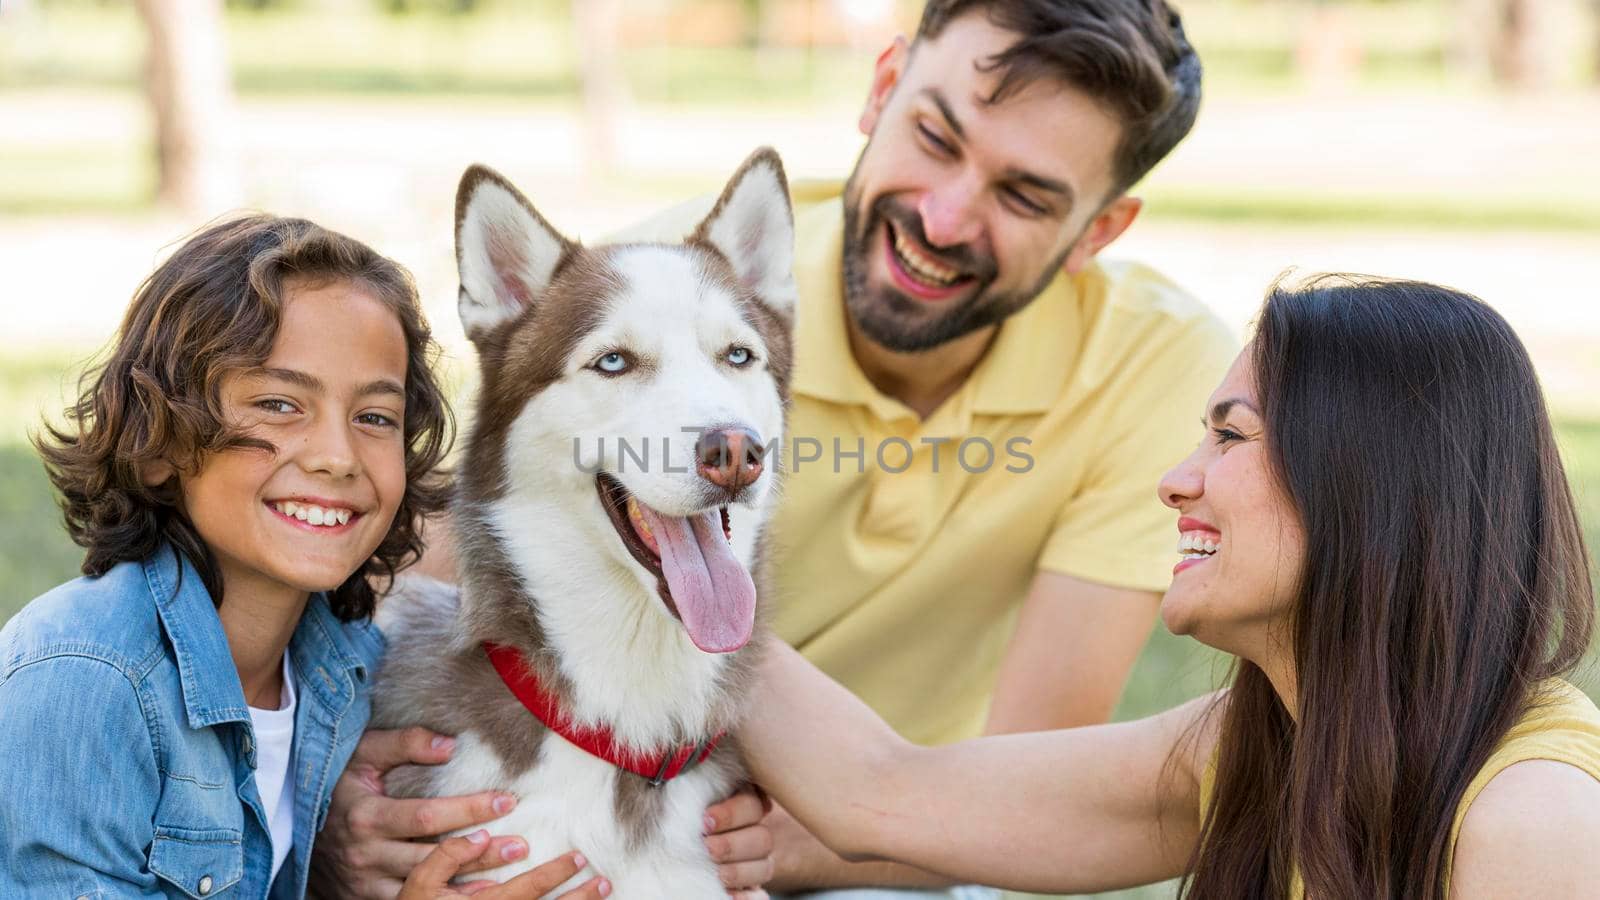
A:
(274, 730)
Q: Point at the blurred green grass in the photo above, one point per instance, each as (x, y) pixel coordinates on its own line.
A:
(527, 49)
(526, 54)
(119, 180)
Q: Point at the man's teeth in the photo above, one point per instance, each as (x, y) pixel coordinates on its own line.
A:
(1198, 544)
(924, 268)
(315, 515)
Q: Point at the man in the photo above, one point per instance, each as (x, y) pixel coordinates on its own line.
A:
(970, 538)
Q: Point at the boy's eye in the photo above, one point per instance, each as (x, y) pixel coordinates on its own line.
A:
(275, 405)
(378, 419)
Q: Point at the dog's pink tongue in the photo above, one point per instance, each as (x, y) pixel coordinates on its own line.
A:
(715, 597)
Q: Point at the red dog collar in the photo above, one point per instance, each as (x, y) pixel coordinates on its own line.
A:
(658, 767)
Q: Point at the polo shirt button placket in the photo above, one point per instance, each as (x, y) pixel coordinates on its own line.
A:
(901, 505)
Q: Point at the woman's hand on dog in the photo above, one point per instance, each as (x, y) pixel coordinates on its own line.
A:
(369, 844)
(431, 878)
(740, 844)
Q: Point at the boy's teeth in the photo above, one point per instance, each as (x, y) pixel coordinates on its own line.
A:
(314, 515)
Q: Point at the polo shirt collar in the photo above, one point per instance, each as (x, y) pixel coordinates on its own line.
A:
(1023, 371)
(1026, 368)
(212, 693)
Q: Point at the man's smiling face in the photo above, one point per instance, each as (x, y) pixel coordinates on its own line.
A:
(960, 211)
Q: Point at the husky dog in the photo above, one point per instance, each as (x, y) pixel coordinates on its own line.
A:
(608, 516)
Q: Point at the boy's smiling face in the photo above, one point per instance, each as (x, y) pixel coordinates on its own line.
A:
(331, 399)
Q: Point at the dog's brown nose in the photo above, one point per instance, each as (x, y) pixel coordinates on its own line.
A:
(729, 458)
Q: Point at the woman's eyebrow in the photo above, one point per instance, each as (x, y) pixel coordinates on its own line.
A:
(1220, 410)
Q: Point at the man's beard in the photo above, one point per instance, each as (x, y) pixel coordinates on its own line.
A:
(900, 323)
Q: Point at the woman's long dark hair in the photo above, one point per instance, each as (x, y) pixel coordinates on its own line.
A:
(1445, 578)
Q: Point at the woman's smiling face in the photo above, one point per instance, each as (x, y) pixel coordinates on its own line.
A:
(1239, 538)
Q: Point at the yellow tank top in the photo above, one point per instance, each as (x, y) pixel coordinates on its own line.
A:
(1562, 725)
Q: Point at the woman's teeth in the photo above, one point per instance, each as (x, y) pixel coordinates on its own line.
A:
(921, 267)
(1198, 544)
(315, 515)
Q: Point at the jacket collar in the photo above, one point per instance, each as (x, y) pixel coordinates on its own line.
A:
(212, 693)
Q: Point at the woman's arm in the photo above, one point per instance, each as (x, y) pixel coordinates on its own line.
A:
(1077, 810)
(1534, 832)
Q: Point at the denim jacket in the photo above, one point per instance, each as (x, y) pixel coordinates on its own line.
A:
(127, 758)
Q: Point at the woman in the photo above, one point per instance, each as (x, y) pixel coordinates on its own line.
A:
(1378, 526)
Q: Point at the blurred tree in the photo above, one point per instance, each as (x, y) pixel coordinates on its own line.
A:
(191, 96)
(1517, 43)
(454, 7)
(1513, 48)
(1327, 53)
(600, 80)
(752, 23)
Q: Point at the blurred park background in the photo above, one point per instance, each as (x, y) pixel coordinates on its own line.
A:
(1451, 140)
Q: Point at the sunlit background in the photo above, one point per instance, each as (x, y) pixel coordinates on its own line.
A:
(1451, 140)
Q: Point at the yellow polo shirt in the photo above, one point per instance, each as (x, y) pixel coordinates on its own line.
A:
(903, 582)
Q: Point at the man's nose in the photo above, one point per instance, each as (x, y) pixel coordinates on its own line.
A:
(729, 457)
(949, 213)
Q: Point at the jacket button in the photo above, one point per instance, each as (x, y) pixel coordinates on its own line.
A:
(248, 743)
(205, 885)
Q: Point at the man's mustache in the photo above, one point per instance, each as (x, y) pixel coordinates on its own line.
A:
(960, 256)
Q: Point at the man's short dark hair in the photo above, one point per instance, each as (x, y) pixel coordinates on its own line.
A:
(1130, 55)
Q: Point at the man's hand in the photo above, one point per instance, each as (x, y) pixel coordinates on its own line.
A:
(368, 847)
(740, 843)
(431, 879)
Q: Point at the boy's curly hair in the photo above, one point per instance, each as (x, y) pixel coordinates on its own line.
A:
(211, 310)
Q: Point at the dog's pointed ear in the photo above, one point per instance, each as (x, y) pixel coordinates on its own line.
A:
(752, 225)
(505, 251)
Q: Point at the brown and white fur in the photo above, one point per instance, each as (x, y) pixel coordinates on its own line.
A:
(543, 565)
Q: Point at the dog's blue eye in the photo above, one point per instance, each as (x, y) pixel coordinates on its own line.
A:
(613, 363)
(739, 356)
